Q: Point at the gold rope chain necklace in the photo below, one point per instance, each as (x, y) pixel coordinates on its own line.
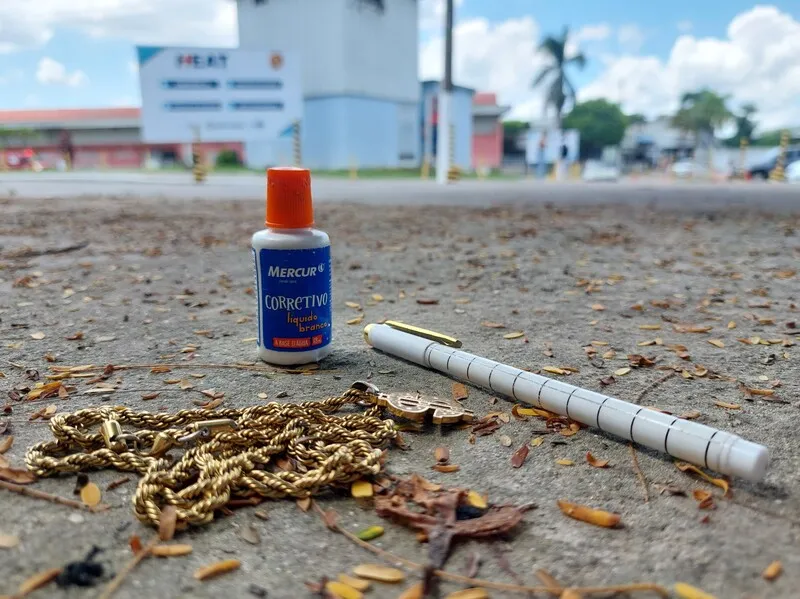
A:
(233, 455)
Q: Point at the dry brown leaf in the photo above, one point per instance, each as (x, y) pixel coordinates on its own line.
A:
(8, 541)
(149, 396)
(379, 572)
(427, 301)
(555, 370)
(705, 500)
(360, 489)
(687, 591)
(446, 468)
(37, 581)
(732, 324)
(720, 482)
(413, 592)
(598, 307)
(772, 571)
(217, 568)
(492, 325)
(340, 590)
(442, 455)
(91, 494)
(477, 500)
(304, 503)
(471, 593)
(514, 335)
(354, 305)
(135, 543)
(377, 297)
(160, 369)
(460, 391)
(357, 320)
(717, 343)
(564, 462)
(751, 391)
(184, 384)
(16, 476)
(622, 371)
(726, 405)
(176, 550)
(690, 415)
(589, 515)
(167, 522)
(250, 535)
(609, 355)
(691, 328)
(351, 581)
(75, 336)
(650, 327)
(537, 441)
(593, 461)
(6, 444)
(519, 456)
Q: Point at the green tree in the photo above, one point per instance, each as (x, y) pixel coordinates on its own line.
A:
(636, 119)
(701, 113)
(560, 89)
(745, 125)
(600, 124)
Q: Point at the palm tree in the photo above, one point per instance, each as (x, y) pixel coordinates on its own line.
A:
(744, 122)
(561, 89)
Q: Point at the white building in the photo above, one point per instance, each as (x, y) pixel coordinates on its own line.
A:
(360, 80)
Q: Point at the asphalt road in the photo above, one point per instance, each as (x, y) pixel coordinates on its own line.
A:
(663, 192)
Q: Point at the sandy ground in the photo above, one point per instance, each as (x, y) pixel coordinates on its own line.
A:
(156, 271)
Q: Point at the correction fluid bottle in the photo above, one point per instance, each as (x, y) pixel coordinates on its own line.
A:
(293, 274)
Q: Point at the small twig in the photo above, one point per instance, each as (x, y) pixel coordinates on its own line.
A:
(14, 364)
(653, 385)
(117, 581)
(31, 253)
(501, 586)
(639, 473)
(551, 583)
(28, 492)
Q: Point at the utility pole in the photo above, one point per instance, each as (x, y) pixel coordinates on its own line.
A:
(443, 149)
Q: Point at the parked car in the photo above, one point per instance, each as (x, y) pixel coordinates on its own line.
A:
(763, 169)
(596, 170)
(792, 172)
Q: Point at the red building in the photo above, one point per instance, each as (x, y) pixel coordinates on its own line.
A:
(487, 131)
(100, 137)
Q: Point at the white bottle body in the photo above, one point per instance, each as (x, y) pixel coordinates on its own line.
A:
(287, 240)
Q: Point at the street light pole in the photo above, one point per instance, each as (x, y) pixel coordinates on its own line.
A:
(445, 99)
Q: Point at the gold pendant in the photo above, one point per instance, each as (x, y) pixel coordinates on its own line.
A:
(416, 407)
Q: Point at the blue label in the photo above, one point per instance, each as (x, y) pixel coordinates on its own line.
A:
(294, 298)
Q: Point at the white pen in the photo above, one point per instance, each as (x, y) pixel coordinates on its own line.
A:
(690, 441)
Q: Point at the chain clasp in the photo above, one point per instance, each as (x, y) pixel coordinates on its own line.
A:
(204, 429)
(115, 438)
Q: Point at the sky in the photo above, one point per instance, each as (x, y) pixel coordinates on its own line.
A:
(79, 53)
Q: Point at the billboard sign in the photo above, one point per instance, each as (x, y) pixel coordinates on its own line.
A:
(552, 141)
(218, 94)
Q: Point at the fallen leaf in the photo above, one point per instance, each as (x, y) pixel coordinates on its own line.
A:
(250, 535)
(149, 396)
(361, 488)
(184, 384)
(731, 324)
(609, 355)
(751, 391)
(106, 339)
(690, 415)
(608, 380)
(589, 515)
(75, 336)
(37, 581)
(729, 406)
(377, 297)
(357, 320)
(593, 461)
(446, 468)
(353, 305)
(565, 462)
(304, 503)
(471, 593)
(351, 581)
(650, 327)
(372, 532)
(477, 500)
(217, 568)
(537, 441)
(414, 592)
(519, 456)
(772, 571)
(720, 482)
(514, 335)
(176, 550)
(6, 444)
(160, 369)
(91, 495)
(14, 475)
(379, 572)
(38, 335)
(167, 522)
(460, 391)
(555, 370)
(687, 591)
(691, 328)
(717, 343)
(598, 307)
(8, 541)
(492, 325)
(622, 371)
(427, 301)
(339, 590)
(135, 543)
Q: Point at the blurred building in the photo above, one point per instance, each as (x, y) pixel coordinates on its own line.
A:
(460, 117)
(655, 140)
(487, 131)
(360, 79)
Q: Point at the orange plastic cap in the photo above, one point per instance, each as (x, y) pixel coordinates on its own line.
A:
(289, 203)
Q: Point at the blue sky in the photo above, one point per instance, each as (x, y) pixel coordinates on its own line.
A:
(89, 51)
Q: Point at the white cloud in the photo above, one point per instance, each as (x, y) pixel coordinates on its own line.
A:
(52, 72)
(630, 37)
(685, 26)
(592, 33)
(758, 61)
(201, 22)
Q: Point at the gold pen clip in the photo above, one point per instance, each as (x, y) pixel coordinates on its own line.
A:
(425, 333)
